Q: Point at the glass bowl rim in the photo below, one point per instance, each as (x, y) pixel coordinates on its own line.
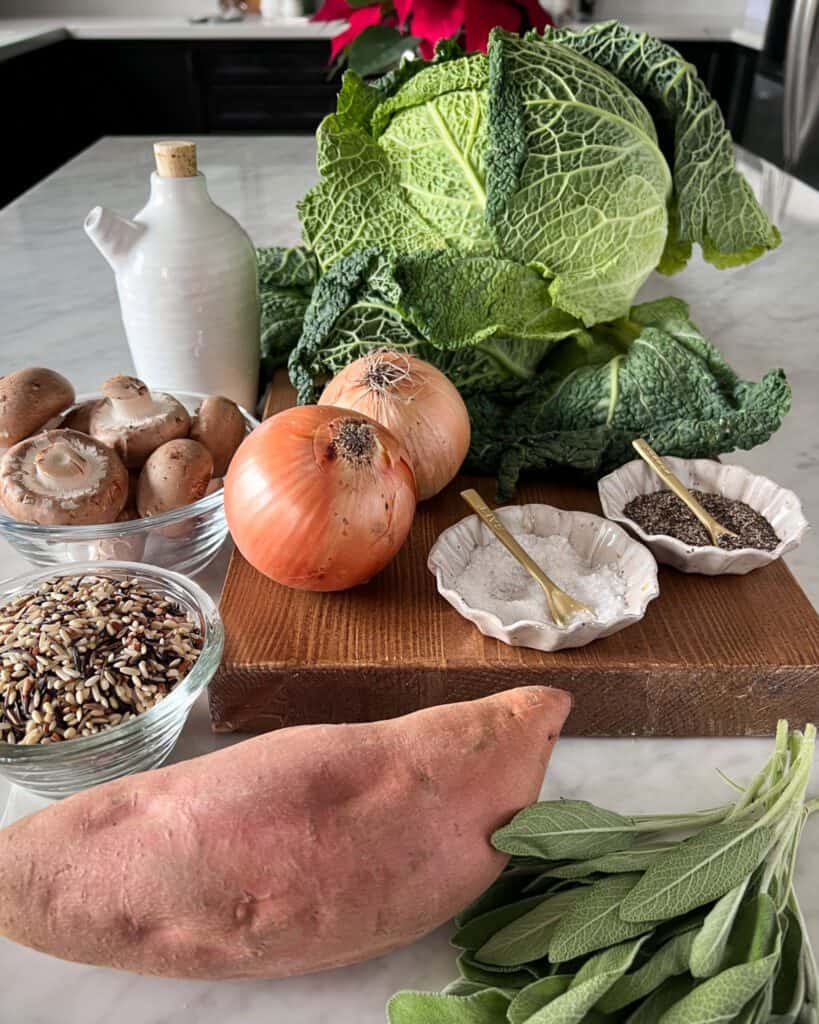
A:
(188, 687)
(129, 527)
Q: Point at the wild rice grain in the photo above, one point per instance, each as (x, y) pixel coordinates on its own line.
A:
(68, 647)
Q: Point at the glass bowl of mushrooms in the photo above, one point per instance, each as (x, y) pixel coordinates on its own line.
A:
(100, 664)
(128, 474)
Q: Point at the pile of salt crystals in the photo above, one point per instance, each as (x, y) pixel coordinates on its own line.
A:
(494, 581)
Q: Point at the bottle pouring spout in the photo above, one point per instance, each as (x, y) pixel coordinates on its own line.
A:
(112, 234)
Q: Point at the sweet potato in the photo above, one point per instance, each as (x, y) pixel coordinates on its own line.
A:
(299, 850)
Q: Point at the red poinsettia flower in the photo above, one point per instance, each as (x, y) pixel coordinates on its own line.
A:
(429, 21)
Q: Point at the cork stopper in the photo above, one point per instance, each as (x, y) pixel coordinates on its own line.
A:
(175, 159)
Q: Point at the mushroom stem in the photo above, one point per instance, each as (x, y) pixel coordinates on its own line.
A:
(130, 399)
(59, 464)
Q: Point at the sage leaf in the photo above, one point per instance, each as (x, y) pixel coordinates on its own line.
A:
(662, 999)
(623, 861)
(809, 1014)
(669, 961)
(708, 949)
(565, 830)
(503, 890)
(789, 984)
(494, 977)
(722, 997)
(480, 929)
(595, 920)
(464, 987)
(535, 996)
(488, 1007)
(528, 937)
(592, 981)
(700, 869)
(757, 1010)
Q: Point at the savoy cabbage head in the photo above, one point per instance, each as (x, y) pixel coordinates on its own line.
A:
(591, 158)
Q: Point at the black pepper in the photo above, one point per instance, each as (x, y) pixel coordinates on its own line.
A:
(662, 512)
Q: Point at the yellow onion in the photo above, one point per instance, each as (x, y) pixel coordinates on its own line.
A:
(417, 403)
(319, 498)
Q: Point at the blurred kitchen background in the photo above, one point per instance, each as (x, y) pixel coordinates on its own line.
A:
(72, 71)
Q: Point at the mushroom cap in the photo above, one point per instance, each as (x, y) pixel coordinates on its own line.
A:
(219, 425)
(135, 421)
(173, 476)
(79, 418)
(62, 478)
(28, 400)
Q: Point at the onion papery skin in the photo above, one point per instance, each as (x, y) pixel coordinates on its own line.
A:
(423, 409)
(305, 513)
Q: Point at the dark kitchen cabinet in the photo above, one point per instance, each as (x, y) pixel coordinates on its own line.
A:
(61, 98)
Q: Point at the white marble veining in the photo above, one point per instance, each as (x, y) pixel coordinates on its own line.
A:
(59, 309)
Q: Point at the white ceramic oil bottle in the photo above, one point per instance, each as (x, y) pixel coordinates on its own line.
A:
(186, 280)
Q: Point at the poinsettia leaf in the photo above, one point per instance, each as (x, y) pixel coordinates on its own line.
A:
(377, 48)
(333, 10)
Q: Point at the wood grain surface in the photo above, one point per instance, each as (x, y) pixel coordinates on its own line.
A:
(714, 656)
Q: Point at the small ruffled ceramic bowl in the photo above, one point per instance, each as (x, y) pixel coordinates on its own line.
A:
(779, 506)
(598, 543)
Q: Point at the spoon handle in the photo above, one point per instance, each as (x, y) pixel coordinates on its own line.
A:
(485, 513)
(673, 483)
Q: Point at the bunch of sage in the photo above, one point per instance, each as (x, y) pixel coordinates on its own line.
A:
(649, 919)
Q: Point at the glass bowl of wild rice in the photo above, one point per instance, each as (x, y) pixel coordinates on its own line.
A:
(100, 664)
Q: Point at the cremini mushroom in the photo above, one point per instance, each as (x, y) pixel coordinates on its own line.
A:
(176, 474)
(219, 425)
(28, 400)
(63, 478)
(79, 418)
(134, 421)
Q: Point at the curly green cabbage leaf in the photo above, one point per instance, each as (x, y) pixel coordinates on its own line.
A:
(542, 392)
(480, 319)
(650, 375)
(592, 158)
(286, 281)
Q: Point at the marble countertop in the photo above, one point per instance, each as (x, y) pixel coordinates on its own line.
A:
(19, 35)
(59, 310)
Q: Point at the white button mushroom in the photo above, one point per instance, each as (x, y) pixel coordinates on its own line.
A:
(135, 422)
(28, 400)
(63, 478)
(219, 425)
(176, 474)
(79, 418)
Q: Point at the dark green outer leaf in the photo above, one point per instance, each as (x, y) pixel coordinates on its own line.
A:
(595, 922)
(488, 1007)
(564, 829)
(480, 929)
(377, 49)
(701, 869)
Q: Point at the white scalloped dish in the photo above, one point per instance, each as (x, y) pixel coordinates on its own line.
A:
(597, 541)
(780, 507)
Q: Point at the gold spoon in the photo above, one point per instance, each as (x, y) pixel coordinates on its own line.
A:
(561, 605)
(673, 483)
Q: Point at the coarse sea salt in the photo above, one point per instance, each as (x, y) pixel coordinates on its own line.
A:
(494, 581)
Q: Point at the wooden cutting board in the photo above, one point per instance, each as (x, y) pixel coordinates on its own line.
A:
(714, 656)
